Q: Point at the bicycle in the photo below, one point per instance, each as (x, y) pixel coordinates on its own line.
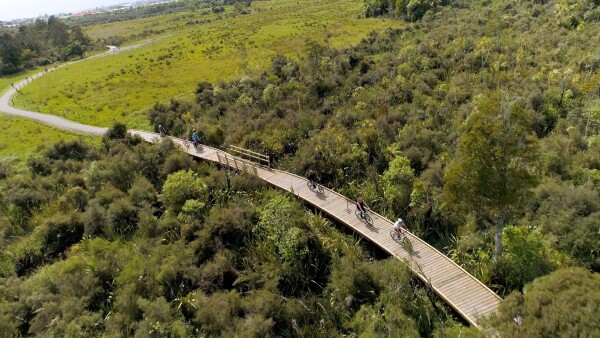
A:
(399, 237)
(197, 145)
(364, 216)
(162, 131)
(314, 186)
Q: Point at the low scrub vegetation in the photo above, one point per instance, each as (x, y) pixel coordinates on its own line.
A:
(133, 239)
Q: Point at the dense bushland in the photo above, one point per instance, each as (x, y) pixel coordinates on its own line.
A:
(408, 10)
(477, 123)
(137, 239)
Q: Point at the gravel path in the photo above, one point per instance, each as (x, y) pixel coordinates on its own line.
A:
(53, 120)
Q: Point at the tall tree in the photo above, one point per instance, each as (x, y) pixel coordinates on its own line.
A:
(10, 54)
(58, 32)
(496, 164)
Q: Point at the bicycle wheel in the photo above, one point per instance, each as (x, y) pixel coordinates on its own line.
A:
(368, 218)
(406, 242)
(320, 189)
(394, 235)
(358, 214)
(310, 185)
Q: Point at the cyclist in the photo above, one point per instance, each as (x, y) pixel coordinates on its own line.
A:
(195, 139)
(362, 206)
(162, 130)
(313, 177)
(398, 227)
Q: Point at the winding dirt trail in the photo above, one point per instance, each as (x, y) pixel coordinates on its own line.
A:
(53, 120)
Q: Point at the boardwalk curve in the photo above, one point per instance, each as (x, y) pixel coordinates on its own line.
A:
(463, 292)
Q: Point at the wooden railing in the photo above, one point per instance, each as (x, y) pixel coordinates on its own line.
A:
(237, 163)
(250, 155)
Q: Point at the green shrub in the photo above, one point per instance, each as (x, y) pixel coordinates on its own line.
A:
(74, 198)
(353, 283)
(216, 314)
(74, 150)
(525, 258)
(121, 218)
(141, 191)
(562, 304)
(180, 187)
(60, 232)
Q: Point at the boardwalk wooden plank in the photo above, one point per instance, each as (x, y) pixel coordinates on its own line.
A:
(475, 299)
(481, 297)
(477, 305)
(456, 284)
(440, 272)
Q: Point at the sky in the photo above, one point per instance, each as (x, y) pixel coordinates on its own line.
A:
(17, 9)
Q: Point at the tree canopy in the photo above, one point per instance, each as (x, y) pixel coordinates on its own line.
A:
(496, 165)
(41, 43)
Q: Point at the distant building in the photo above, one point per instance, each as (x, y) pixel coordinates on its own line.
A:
(84, 13)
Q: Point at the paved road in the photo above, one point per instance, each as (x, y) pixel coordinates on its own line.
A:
(53, 120)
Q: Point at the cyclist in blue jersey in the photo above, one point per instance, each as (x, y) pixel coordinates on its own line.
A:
(195, 139)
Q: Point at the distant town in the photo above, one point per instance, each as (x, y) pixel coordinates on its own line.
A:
(89, 11)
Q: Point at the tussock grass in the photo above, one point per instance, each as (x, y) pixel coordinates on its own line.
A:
(199, 47)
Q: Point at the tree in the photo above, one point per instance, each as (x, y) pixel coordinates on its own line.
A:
(496, 164)
(58, 32)
(73, 50)
(397, 184)
(79, 36)
(375, 8)
(10, 54)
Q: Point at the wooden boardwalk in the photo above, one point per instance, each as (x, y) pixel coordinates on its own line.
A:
(467, 295)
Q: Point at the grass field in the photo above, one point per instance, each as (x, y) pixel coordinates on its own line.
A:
(202, 47)
(22, 137)
(15, 78)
